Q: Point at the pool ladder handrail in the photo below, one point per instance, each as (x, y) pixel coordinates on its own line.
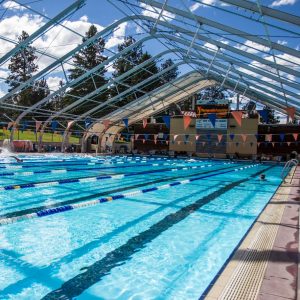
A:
(287, 165)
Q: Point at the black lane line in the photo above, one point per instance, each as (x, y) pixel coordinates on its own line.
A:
(96, 195)
(94, 273)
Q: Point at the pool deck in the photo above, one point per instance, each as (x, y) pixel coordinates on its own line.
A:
(265, 265)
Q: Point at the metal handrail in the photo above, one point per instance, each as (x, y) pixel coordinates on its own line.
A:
(293, 161)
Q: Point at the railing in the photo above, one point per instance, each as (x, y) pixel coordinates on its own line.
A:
(288, 164)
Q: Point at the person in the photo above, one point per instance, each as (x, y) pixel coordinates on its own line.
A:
(262, 177)
(16, 158)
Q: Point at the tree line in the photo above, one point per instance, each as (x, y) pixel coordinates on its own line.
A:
(24, 64)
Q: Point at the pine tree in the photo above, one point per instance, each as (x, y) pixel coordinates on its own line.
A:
(169, 75)
(87, 59)
(22, 66)
(128, 61)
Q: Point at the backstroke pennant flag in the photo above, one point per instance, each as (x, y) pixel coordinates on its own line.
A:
(145, 122)
(220, 136)
(175, 137)
(244, 137)
(54, 125)
(238, 116)
(70, 123)
(186, 121)
(291, 112)
(38, 125)
(295, 135)
(197, 137)
(264, 114)
(212, 119)
(282, 135)
(231, 136)
(125, 120)
(167, 120)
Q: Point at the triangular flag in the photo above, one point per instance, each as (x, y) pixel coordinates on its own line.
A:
(244, 137)
(70, 123)
(178, 142)
(186, 121)
(273, 144)
(136, 136)
(231, 136)
(238, 116)
(155, 137)
(264, 114)
(282, 135)
(54, 125)
(24, 126)
(220, 136)
(167, 142)
(143, 141)
(212, 119)
(106, 123)
(288, 143)
(144, 122)
(175, 137)
(291, 112)
(155, 141)
(126, 122)
(167, 120)
(186, 137)
(38, 125)
(256, 135)
(203, 144)
(258, 144)
(146, 135)
(295, 135)
(197, 137)
(268, 138)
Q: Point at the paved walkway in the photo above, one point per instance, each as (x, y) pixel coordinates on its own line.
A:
(265, 266)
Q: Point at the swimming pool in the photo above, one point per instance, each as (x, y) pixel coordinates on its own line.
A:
(123, 227)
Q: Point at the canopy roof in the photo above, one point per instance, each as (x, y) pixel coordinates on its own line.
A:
(207, 50)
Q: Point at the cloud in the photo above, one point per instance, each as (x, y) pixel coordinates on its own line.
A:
(249, 45)
(117, 36)
(149, 11)
(283, 2)
(13, 5)
(53, 82)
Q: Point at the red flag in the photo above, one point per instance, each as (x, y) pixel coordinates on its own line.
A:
(186, 121)
(244, 137)
(268, 138)
(291, 112)
(106, 123)
(295, 135)
(220, 136)
(145, 122)
(238, 116)
(37, 125)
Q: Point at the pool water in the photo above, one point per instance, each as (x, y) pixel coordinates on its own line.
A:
(163, 228)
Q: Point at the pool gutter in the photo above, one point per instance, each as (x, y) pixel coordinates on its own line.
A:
(247, 274)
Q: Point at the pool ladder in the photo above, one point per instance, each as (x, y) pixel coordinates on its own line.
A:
(287, 165)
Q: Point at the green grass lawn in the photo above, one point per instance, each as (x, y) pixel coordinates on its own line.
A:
(30, 135)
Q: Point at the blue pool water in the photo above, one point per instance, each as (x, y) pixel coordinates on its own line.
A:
(168, 229)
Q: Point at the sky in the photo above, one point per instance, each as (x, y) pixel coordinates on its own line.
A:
(59, 41)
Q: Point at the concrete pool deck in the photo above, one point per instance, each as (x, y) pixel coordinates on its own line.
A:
(265, 266)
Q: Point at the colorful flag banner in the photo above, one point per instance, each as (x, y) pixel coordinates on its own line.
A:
(291, 112)
(167, 120)
(220, 136)
(186, 121)
(268, 137)
(197, 136)
(136, 136)
(175, 137)
(145, 122)
(70, 123)
(295, 135)
(264, 114)
(231, 136)
(88, 122)
(203, 144)
(37, 125)
(212, 119)
(288, 143)
(155, 138)
(282, 135)
(54, 125)
(244, 137)
(237, 116)
(273, 144)
(126, 122)
(146, 135)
